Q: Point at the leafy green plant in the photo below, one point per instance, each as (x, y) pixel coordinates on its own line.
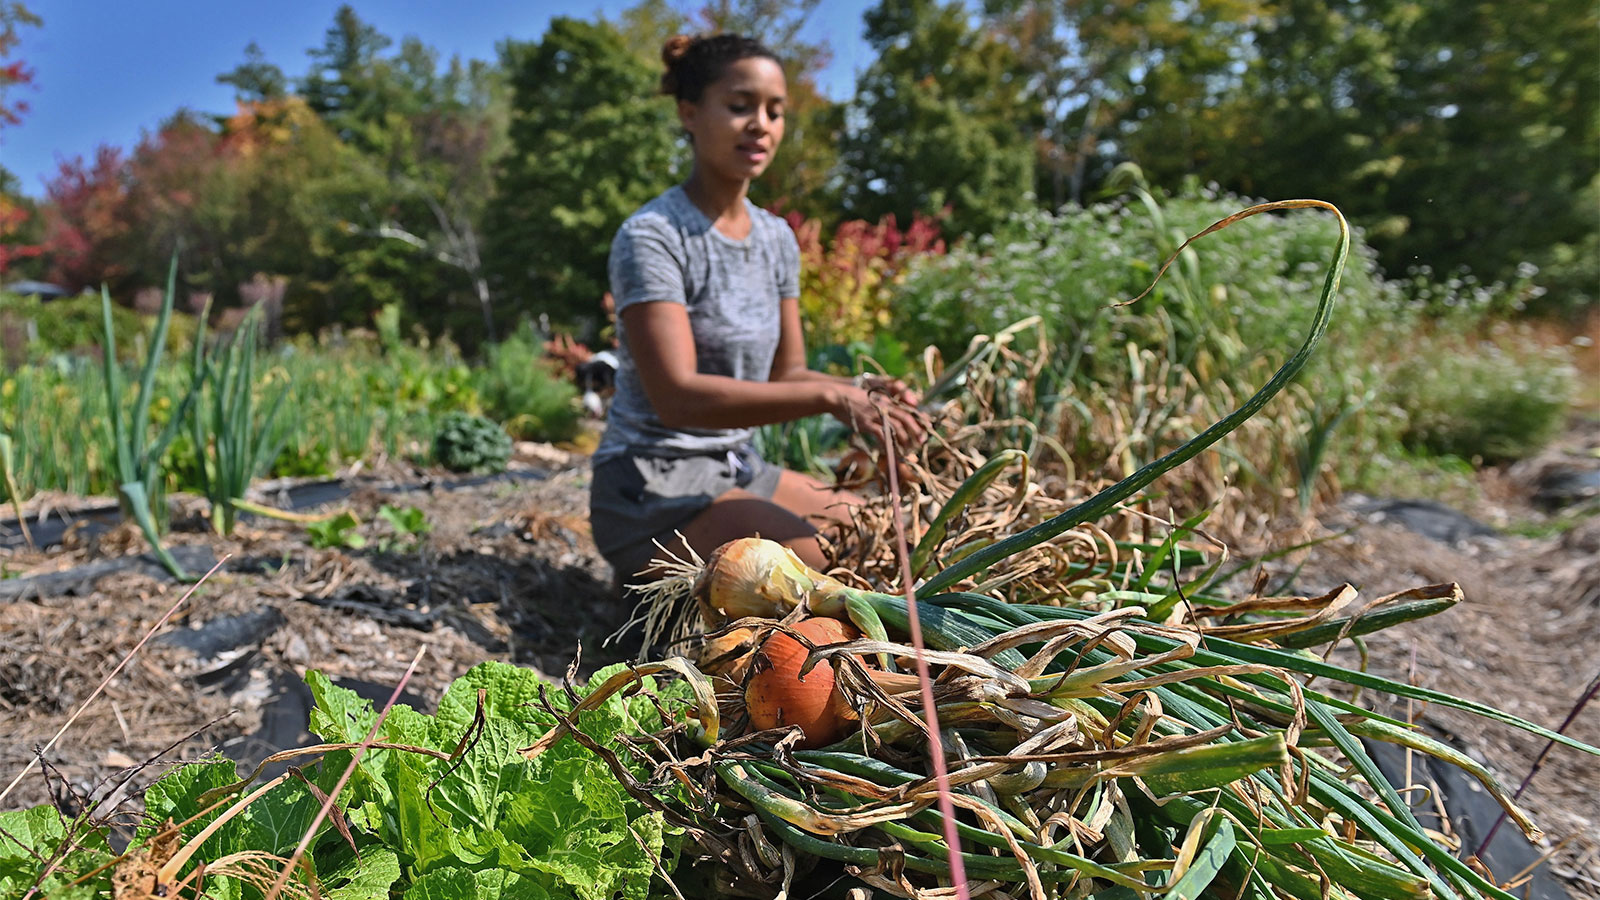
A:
(519, 389)
(446, 807)
(1120, 385)
(410, 521)
(804, 445)
(342, 400)
(136, 458)
(8, 459)
(846, 281)
(74, 326)
(468, 443)
(339, 531)
(409, 525)
(1496, 401)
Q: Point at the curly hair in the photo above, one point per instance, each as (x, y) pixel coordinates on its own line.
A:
(695, 62)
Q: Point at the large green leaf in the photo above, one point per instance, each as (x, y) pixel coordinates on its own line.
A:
(177, 796)
(32, 840)
(367, 878)
(465, 884)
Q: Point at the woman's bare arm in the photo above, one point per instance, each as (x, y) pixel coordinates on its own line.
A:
(662, 345)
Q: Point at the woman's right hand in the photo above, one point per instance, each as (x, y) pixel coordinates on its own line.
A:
(868, 412)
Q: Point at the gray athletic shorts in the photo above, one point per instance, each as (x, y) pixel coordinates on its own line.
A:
(636, 500)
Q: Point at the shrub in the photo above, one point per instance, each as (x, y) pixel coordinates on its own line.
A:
(468, 443)
(72, 325)
(517, 387)
(1497, 400)
(1126, 384)
(846, 283)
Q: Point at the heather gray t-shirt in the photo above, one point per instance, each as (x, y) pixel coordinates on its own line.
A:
(669, 252)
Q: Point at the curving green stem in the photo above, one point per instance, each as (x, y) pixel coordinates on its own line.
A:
(960, 500)
(1103, 502)
(865, 617)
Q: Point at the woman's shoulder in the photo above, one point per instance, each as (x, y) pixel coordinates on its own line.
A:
(770, 225)
(672, 209)
(659, 213)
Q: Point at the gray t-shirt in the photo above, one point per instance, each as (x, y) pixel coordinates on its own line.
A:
(669, 252)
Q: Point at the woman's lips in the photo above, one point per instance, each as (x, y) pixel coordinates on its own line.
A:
(752, 152)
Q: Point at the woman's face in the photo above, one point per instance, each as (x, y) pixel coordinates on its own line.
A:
(738, 122)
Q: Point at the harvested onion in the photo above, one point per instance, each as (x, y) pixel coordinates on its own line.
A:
(777, 696)
(757, 577)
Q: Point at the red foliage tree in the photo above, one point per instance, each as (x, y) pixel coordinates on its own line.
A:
(15, 73)
(86, 224)
(13, 219)
(14, 212)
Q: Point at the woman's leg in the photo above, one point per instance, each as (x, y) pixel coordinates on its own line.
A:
(739, 514)
(820, 504)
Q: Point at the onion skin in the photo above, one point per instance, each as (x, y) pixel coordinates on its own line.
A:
(757, 577)
(776, 696)
(729, 654)
(858, 468)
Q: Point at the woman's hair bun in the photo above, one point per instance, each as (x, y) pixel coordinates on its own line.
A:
(675, 48)
(672, 54)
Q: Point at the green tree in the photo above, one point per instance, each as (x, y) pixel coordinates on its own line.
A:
(646, 25)
(354, 88)
(945, 119)
(425, 139)
(1111, 74)
(256, 79)
(1458, 134)
(590, 141)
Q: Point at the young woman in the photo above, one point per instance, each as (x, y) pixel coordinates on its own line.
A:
(706, 287)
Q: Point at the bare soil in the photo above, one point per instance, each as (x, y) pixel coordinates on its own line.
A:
(508, 571)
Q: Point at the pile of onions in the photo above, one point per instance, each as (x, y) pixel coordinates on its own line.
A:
(776, 696)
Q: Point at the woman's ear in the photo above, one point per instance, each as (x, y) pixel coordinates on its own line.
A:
(686, 114)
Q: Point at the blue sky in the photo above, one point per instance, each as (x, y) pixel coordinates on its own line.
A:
(107, 69)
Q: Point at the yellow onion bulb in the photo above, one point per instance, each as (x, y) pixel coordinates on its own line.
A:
(756, 577)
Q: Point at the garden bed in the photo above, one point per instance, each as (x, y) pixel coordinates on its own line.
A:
(507, 571)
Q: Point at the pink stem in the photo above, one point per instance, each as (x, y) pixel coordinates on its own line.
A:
(941, 776)
(327, 805)
(107, 680)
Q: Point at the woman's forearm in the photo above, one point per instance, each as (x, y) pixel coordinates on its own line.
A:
(716, 401)
(802, 374)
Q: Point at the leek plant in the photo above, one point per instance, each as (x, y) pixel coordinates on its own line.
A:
(234, 448)
(136, 458)
(9, 482)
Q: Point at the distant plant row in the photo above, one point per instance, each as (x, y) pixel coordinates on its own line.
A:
(344, 398)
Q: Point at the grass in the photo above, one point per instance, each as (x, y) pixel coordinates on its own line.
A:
(1556, 525)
